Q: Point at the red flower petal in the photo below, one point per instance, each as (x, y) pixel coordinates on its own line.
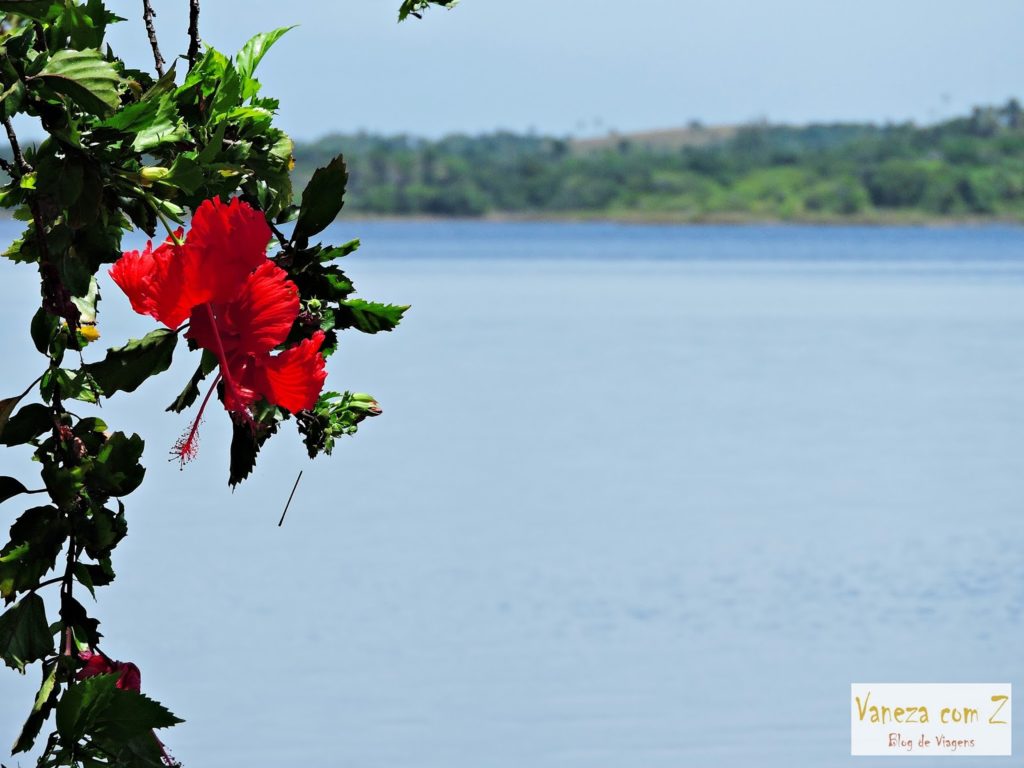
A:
(228, 242)
(258, 320)
(292, 379)
(95, 664)
(131, 678)
(161, 283)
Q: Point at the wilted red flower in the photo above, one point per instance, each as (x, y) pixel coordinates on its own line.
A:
(97, 664)
(240, 307)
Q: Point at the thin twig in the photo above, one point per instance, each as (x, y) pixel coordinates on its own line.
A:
(12, 137)
(147, 16)
(281, 521)
(193, 32)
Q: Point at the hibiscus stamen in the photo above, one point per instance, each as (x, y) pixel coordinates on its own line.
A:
(187, 446)
(229, 384)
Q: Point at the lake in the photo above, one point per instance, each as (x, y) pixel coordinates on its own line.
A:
(641, 497)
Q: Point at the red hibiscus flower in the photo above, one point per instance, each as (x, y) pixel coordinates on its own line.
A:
(240, 306)
(97, 664)
(130, 679)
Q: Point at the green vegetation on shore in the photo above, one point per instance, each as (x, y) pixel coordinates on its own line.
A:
(967, 168)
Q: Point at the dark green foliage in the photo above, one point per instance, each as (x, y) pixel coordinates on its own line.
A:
(125, 368)
(335, 415)
(24, 633)
(972, 166)
(367, 316)
(321, 200)
(245, 447)
(416, 7)
(10, 487)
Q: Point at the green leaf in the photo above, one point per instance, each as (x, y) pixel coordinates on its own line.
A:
(185, 174)
(45, 701)
(37, 538)
(338, 252)
(27, 424)
(107, 530)
(85, 77)
(24, 633)
(131, 714)
(79, 707)
(125, 368)
(154, 122)
(35, 9)
(322, 199)
(245, 446)
(10, 99)
(7, 407)
(116, 470)
(44, 328)
(251, 54)
(368, 316)
(97, 706)
(10, 487)
(191, 391)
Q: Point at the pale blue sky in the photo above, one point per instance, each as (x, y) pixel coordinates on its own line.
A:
(572, 66)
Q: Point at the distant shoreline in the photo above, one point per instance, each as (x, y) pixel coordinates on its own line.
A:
(646, 218)
(668, 219)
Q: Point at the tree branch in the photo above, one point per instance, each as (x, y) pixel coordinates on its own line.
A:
(193, 32)
(12, 137)
(147, 16)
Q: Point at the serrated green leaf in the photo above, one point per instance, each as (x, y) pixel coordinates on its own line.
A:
(79, 707)
(368, 316)
(125, 368)
(339, 252)
(245, 447)
(129, 714)
(322, 199)
(85, 77)
(24, 633)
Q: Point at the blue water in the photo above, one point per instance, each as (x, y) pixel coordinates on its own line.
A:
(641, 497)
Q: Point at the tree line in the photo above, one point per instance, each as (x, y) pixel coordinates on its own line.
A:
(970, 166)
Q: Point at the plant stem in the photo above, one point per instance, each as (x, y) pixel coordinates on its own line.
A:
(193, 32)
(147, 17)
(12, 137)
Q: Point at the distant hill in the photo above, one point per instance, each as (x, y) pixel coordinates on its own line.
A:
(968, 167)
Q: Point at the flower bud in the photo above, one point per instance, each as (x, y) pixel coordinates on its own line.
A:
(364, 403)
(152, 173)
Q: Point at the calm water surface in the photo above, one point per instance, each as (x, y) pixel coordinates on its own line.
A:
(641, 497)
